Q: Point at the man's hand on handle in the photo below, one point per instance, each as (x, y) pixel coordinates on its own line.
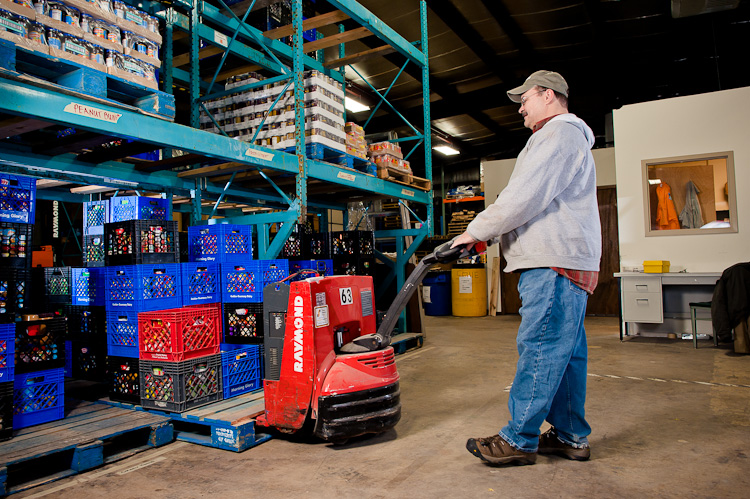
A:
(466, 239)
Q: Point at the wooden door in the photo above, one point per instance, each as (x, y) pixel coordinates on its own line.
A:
(605, 300)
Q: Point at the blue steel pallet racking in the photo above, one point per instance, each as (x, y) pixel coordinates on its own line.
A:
(218, 28)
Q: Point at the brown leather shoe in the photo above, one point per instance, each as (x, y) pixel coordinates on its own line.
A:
(549, 443)
(495, 450)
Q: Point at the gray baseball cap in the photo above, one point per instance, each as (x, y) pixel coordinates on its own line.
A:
(542, 78)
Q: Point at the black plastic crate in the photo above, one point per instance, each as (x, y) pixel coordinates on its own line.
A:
(243, 323)
(354, 265)
(58, 284)
(123, 374)
(86, 322)
(40, 344)
(296, 244)
(352, 243)
(6, 410)
(89, 359)
(179, 386)
(15, 242)
(15, 293)
(318, 246)
(141, 242)
(94, 251)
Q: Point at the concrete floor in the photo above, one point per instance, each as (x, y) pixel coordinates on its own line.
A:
(668, 421)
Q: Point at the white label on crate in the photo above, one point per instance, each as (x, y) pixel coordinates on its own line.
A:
(426, 294)
(221, 39)
(321, 316)
(464, 284)
(254, 153)
(346, 176)
(92, 112)
(347, 298)
(407, 192)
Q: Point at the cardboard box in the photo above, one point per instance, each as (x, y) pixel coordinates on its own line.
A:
(656, 266)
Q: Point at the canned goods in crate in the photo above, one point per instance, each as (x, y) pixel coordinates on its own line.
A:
(37, 33)
(76, 46)
(56, 10)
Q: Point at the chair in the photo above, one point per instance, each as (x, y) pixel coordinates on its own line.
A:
(694, 307)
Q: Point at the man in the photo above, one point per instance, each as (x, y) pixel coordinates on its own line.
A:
(547, 221)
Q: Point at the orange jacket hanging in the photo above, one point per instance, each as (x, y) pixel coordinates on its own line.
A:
(666, 214)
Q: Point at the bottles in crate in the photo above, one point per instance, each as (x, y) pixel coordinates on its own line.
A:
(123, 376)
(241, 369)
(179, 334)
(39, 344)
(243, 322)
(179, 386)
(220, 243)
(17, 199)
(15, 245)
(141, 242)
(352, 243)
(15, 293)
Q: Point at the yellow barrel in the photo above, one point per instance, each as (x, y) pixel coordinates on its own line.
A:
(469, 290)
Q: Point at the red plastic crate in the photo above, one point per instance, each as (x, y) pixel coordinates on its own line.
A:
(178, 334)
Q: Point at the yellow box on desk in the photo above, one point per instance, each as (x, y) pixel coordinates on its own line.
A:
(656, 266)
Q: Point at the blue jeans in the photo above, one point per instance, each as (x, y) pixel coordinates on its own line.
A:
(550, 380)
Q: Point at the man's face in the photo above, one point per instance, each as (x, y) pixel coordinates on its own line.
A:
(533, 108)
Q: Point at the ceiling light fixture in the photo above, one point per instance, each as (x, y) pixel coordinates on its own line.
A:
(447, 150)
(355, 106)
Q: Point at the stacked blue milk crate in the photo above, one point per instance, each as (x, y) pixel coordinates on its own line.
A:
(31, 350)
(17, 213)
(95, 215)
(222, 270)
(76, 295)
(140, 255)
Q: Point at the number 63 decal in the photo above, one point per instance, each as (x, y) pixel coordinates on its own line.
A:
(346, 296)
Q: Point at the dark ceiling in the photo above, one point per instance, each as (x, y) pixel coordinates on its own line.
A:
(612, 53)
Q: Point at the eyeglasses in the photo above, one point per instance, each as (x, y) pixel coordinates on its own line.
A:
(524, 99)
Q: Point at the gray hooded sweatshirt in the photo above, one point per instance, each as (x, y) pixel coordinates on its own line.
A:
(548, 215)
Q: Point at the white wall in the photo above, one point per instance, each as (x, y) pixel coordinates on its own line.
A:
(697, 124)
(496, 177)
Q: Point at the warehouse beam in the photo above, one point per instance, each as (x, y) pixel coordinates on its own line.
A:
(20, 98)
(367, 19)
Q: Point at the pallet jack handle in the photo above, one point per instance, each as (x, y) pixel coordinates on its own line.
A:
(382, 338)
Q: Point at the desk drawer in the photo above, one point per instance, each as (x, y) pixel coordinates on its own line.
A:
(642, 307)
(642, 284)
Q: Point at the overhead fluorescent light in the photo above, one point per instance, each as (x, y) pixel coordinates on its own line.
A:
(355, 106)
(654, 181)
(447, 150)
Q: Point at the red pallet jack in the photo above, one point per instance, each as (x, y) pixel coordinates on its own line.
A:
(325, 363)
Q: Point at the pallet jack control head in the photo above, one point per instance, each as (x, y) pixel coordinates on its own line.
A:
(382, 338)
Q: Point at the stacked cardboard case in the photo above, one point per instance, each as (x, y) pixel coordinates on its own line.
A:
(109, 36)
(241, 115)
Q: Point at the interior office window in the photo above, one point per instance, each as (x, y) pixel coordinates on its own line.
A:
(692, 194)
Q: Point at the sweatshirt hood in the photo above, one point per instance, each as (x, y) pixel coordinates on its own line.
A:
(578, 122)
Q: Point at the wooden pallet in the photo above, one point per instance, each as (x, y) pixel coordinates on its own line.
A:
(73, 75)
(91, 435)
(227, 424)
(401, 177)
